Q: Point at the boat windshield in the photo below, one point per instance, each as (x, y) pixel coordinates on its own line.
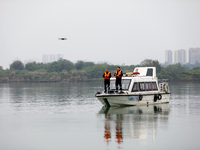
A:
(125, 84)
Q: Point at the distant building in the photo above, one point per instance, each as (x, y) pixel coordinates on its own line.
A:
(180, 56)
(45, 59)
(60, 56)
(52, 58)
(168, 56)
(194, 55)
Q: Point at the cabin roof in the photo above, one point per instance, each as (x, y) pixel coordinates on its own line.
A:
(146, 71)
(143, 73)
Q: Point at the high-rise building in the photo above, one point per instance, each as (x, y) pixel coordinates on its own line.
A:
(194, 55)
(60, 56)
(52, 58)
(180, 56)
(168, 56)
(45, 59)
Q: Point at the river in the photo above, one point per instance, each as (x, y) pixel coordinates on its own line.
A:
(60, 116)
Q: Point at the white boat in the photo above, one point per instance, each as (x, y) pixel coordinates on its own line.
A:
(138, 88)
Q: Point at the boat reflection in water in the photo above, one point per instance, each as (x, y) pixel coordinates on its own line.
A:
(137, 122)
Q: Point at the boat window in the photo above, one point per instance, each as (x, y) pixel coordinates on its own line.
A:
(154, 86)
(141, 86)
(125, 84)
(148, 86)
(149, 72)
(135, 87)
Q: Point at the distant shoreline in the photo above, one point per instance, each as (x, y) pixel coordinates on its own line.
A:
(66, 71)
(71, 81)
(5, 80)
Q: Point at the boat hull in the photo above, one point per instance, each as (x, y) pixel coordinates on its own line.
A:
(133, 100)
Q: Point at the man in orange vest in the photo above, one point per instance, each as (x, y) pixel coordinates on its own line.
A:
(106, 76)
(118, 76)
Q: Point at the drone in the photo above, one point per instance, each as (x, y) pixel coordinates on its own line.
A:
(62, 38)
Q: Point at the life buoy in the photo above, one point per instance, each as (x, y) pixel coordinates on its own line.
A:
(159, 96)
(155, 98)
(166, 88)
(140, 97)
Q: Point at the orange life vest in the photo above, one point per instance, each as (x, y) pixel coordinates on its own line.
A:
(107, 75)
(119, 73)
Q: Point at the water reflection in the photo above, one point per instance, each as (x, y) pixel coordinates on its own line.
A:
(48, 97)
(137, 122)
(118, 132)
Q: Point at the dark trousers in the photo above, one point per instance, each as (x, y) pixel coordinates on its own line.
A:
(106, 84)
(118, 82)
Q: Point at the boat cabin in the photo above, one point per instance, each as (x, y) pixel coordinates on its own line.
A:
(143, 79)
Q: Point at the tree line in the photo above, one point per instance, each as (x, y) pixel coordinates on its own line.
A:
(65, 70)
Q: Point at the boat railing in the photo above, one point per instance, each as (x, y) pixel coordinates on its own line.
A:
(162, 80)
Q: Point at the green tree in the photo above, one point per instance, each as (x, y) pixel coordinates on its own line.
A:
(151, 63)
(175, 71)
(146, 63)
(155, 63)
(89, 64)
(65, 64)
(98, 70)
(31, 66)
(40, 66)
(79, 65)
(1, 67)
(17, 65)
(53, 67)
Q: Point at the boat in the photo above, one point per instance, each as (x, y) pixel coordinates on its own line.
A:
(141, 87)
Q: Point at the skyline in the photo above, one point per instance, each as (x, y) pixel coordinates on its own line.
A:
(114, 31)
(171, 58)
(100, 61)
(56, 56)
(192, 55)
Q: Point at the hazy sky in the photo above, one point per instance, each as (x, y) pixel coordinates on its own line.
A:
(117, 31)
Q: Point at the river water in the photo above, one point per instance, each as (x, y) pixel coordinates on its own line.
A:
(60, 116)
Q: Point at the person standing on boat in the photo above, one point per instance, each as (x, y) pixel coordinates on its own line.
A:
(106, 76)
(118, 76)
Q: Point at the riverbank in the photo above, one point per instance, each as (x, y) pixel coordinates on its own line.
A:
(37, 76)
(81, 76)
(66, 71)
